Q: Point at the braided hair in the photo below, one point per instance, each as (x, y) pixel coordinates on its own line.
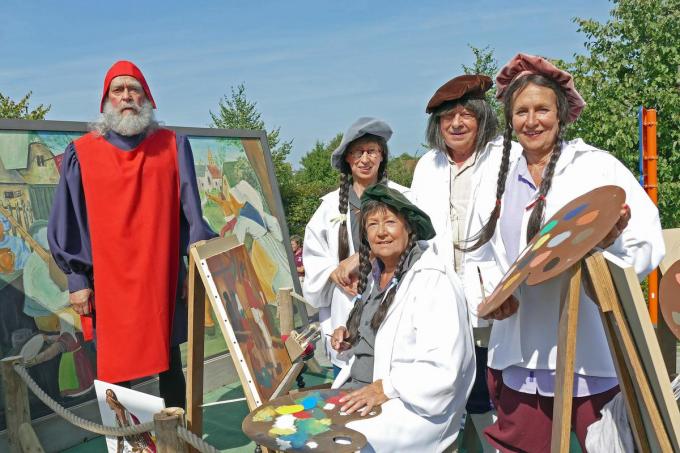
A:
(536, 218)
(365, 268)
(346, 182)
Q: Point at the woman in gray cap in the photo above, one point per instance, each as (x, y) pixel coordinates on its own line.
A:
(332, 234)
(411, 344)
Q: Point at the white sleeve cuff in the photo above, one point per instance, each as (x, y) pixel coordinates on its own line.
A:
(388, 388)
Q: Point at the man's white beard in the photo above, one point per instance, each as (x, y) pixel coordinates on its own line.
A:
(129, 124)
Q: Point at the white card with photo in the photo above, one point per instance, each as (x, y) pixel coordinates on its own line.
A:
(120, 407)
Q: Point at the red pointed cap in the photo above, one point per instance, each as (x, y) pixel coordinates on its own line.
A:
(125, 68)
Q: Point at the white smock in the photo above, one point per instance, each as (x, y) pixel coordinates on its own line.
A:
(424, 356)
(529, 337)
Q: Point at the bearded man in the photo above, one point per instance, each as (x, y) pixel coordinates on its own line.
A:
(125, 211)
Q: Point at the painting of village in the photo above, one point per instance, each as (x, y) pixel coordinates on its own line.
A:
(238, 198)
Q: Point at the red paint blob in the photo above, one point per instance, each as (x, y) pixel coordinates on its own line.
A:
(335, 399)
(302, 414)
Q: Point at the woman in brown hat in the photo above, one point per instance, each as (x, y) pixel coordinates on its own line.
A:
(332, 235)
(410, 341)
(540, 101)
(465, 155)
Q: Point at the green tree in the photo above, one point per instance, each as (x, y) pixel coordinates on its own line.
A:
(237, 112)
(11, 109)
(315, 178)
(400, 169)
(633, 60)
(485, 63)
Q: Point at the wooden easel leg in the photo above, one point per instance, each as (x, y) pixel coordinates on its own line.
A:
(566, 353)
(629, 368)
(197, 302)
(625, 383)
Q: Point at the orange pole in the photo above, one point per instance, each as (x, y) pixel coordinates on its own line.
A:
(652, 189)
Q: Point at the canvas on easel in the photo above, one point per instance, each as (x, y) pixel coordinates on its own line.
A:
(671, 239)
(221, 273)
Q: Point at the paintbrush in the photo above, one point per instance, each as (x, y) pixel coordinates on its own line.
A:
(481, 282)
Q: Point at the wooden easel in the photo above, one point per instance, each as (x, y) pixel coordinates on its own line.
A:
(643, 378)
(197, 300)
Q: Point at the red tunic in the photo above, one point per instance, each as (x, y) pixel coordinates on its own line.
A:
(132, 201)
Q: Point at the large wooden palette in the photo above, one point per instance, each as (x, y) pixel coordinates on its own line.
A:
(306, 422)
(564, 240)
(669, 298)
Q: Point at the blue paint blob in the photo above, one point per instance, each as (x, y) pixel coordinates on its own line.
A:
(297, 440)
(574, 212)
(310, 402)
(528, 257)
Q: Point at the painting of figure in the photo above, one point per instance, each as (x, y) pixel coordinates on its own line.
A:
(244, 303)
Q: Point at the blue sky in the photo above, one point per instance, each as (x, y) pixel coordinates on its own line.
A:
(311, 66)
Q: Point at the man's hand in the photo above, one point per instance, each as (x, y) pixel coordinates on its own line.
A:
(338, 339)
(615, 232)
(80, 301)
(507, 309)
(364, 399)
(346, 274)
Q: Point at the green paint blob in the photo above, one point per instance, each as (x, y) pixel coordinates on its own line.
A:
(548, 227)
(312, 427)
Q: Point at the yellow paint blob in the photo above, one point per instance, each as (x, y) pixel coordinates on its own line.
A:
(264, 414)
(511, 280)
(281, 431)
(541, 241)
(291, 409)
(325, 421)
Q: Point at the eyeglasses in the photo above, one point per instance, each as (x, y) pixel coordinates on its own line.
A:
(358, 153)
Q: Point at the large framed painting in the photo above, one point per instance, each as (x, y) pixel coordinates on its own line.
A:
(239, 196)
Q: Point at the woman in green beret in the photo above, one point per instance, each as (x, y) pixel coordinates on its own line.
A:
(407, 334)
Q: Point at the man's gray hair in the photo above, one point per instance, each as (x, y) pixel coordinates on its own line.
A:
(487, 123)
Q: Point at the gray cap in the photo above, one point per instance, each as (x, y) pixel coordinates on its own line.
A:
(362, 126)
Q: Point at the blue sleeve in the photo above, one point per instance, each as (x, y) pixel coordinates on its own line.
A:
(198, 228)
(68, 233)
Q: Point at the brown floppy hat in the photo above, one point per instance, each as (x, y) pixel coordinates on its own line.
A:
(470, 85)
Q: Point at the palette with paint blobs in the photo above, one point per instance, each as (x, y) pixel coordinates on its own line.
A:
(564, 240)
(669, 298)
(306, 422)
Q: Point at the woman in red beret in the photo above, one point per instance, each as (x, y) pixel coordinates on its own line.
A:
(540, 101)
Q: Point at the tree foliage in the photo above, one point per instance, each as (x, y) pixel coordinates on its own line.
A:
(315, 178)
(20, 110)
(633, 59)
(485, 63)
(237, 112)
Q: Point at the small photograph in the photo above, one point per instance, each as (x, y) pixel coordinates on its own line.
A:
(123, 407)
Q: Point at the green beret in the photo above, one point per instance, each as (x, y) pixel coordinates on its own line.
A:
(417, 219)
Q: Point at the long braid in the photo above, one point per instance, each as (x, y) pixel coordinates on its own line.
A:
(380, 314)
(365, 268)
(487, 231)
(343, 241)
(536, 217)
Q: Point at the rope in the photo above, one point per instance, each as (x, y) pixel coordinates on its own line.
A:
(195, 441)
(74, 419)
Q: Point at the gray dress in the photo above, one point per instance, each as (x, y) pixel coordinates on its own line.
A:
(361, 373)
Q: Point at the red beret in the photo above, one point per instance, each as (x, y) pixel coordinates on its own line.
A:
(125, 68)
(523, 64)
(473, 85)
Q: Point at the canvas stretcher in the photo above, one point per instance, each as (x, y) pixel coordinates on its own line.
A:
(222, 274)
